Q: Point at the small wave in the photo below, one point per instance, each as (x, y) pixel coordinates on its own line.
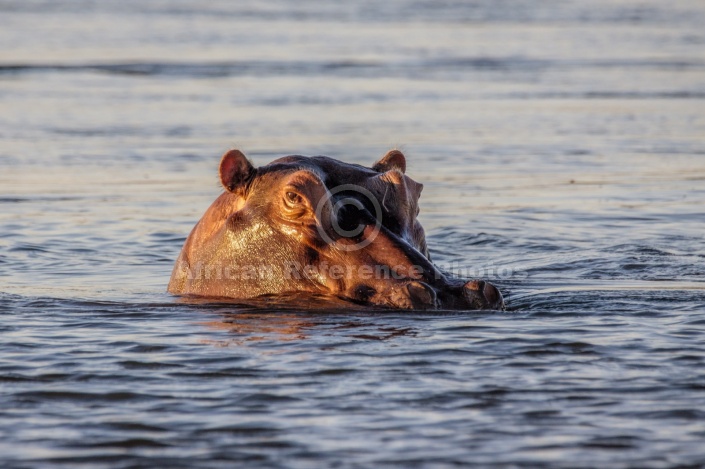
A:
(139, 365)
(127, 443)
(266, 399)
(194, 69)
(359, 67)
(39, 396)
(34, 199)
(606, 95)
(614, 443)
(28, 247)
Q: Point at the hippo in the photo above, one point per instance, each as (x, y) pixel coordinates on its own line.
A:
(320, 227)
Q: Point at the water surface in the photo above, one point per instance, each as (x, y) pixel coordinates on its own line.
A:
(562, 149)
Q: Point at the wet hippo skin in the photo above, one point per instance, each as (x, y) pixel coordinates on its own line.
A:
(320, 226)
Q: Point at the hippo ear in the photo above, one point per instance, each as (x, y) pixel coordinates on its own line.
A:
(394, 159)
(235, 170)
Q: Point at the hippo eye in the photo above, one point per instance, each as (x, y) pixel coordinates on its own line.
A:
(293, 198)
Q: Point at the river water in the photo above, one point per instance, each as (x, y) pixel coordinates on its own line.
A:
(562, 149)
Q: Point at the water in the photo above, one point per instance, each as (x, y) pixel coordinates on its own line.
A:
(562, 146)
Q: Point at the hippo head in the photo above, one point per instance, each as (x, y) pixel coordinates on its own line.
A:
(318, 225)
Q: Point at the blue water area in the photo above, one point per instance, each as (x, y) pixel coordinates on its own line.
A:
(562, 150)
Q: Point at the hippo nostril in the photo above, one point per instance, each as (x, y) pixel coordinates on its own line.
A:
(471, 291)
(472, 287)
(481, 294)
(492, 295)
(421, 294)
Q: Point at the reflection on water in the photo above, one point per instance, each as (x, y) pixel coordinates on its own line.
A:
(244, 327)
(248, 327)
(561, 148)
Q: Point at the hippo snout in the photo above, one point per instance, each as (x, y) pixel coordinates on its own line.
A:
(419, 295)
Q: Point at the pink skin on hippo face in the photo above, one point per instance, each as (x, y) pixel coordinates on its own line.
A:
(317, 225)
